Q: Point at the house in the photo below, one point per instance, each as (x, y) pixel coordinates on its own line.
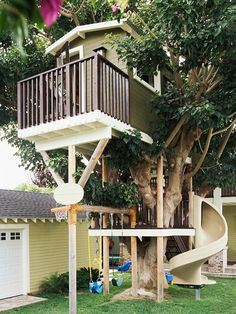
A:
(33, 245)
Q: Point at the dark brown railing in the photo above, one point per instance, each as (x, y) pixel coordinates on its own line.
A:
(75, 88)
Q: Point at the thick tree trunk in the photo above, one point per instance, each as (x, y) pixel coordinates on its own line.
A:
(141, 174)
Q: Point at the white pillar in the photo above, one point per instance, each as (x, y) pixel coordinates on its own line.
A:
(217, 201)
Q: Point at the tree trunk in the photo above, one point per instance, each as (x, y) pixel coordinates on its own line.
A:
(141, 174)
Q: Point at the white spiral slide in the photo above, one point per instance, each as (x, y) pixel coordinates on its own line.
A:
(210, 238)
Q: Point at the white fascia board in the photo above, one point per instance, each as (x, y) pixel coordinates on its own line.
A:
(141, 232)
(82, 30)
(89, 136)
(228, 200)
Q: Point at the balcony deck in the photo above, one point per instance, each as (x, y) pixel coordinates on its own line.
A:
(75, 104)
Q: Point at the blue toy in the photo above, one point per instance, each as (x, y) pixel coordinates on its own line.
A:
(124, 267)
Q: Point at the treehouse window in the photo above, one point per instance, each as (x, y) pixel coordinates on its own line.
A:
(150, 81)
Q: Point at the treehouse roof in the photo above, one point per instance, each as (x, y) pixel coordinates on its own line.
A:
(80, 31)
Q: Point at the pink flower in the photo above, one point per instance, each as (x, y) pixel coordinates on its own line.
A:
(49, 10)
(114, 8)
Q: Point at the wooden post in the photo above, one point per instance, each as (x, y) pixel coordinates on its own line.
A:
(72, 221)
(54, 174)
(105, 259)
(190, 222)
(160, 253)
(134, 255)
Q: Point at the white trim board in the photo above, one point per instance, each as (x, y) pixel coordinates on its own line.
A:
(141, 232)
(26, 267)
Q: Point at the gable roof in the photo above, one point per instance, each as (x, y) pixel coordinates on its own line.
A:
(27, 205)
(80, 31)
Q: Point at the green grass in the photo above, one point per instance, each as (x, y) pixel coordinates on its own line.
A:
(219, 298)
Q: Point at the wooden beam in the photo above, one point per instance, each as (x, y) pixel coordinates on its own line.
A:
(54, 174)
(72, 220)
(93, 161)
(160, 253)
(105, 259)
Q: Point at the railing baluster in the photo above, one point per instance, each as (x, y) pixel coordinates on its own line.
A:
(85, 86)
(61, 96)
(74, 90)
(52, 96)
(37, 101)
(91, 84)
(68, 94)
(56, 96)
(19, 106)
(80, 88)
(32, 103)
(42, 99)
(96, 83)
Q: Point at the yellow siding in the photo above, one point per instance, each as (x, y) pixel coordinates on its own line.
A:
(230, 216)
(48, 247)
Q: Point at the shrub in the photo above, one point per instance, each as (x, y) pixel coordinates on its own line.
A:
(59, 283)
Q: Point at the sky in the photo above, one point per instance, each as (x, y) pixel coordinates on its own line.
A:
(11, 174)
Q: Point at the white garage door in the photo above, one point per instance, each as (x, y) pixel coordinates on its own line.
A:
(11, 263)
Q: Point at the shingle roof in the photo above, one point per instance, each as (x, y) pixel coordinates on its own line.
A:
(22, 204)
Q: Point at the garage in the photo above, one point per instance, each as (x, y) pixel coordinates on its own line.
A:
(12, 258)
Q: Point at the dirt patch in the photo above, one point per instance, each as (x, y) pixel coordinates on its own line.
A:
(142, 295)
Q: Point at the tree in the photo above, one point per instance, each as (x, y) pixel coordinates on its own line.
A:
(193, 44)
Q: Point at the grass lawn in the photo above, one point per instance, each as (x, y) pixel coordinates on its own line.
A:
(219, 298)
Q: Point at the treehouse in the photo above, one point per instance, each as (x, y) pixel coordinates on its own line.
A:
(90, 95)
(80, 104)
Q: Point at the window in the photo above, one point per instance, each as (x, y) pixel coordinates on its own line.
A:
(3, 236)
(74, 54)
(151, 81)
(15, 236)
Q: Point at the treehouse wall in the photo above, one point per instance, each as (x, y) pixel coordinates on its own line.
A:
(140, 111)
(95, 40)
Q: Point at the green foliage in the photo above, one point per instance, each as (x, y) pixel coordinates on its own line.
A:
(59, 283)
(14, 17)
(127, 150)
(32, 188)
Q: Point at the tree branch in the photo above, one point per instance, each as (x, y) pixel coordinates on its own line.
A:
(203, 156)
(225, 129)
(224, 142)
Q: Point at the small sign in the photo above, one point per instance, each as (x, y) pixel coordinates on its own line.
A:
(68, 193)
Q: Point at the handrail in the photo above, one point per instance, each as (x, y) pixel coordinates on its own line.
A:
(114, 66)
(57, 68)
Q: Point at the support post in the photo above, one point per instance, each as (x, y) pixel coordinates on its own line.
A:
(190, 223)
(72, 221)
(160, 252)
(134, 255)
(105, 259)
(54, 174)
(93, 161)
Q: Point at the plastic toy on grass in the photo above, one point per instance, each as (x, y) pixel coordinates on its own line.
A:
(169, 278)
